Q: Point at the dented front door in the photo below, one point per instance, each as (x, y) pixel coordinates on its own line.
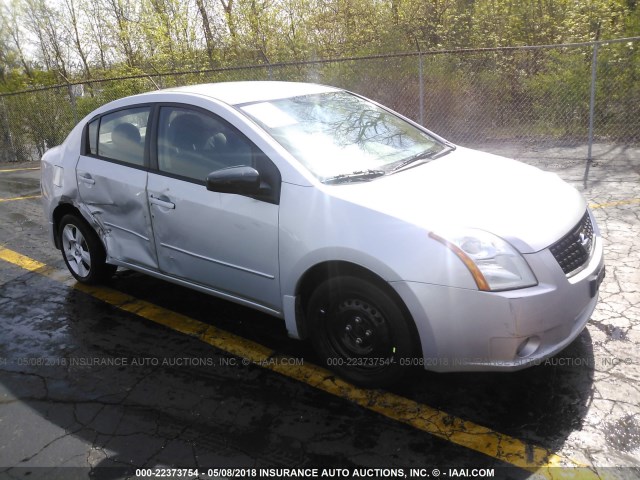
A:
(224, 241)
(115, 195)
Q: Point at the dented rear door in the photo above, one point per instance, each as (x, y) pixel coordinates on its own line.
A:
(115, 195)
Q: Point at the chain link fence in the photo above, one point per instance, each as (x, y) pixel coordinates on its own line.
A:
(560, 104)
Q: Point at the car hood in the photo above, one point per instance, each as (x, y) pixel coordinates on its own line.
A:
(526, 206)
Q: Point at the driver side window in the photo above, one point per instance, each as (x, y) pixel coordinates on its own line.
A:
(193, 144)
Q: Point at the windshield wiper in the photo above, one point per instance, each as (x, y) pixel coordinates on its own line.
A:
(419, 157)
(361, 175)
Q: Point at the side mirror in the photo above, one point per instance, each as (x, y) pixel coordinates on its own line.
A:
(240, 180)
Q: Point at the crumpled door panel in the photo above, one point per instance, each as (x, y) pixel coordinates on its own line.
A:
(115, 195)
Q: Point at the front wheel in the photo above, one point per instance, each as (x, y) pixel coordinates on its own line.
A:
(82, 251)
(360, 331)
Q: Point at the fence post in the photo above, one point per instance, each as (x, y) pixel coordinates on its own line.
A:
(74, 109)
(421, 82)
(12, 155)
(592, 103)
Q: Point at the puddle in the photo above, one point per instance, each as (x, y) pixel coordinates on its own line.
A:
(624, 434)
(613, 333)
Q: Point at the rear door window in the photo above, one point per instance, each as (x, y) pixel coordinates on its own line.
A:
(122, 134)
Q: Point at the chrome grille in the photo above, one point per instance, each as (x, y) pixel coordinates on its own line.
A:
(574, 249)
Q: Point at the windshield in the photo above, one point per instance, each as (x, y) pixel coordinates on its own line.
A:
(338, 134)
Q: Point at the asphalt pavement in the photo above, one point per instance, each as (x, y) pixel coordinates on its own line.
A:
(141, 377)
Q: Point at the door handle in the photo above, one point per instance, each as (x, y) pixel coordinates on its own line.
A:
(162, 202)
(86, 178)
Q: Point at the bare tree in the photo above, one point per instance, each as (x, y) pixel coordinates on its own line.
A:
(72, 18)
(160, 9)
(44, 22)
(121, 11)
(228, 12)
(94, 15)
(206, 27)
(11, 25)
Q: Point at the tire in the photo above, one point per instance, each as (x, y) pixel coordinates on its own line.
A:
(360, 331)
(82, 251)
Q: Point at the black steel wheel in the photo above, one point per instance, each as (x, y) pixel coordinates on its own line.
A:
(82, 251)
(360, 331)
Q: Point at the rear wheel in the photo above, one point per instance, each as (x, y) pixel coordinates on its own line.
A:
(360, 331)
(82, 251)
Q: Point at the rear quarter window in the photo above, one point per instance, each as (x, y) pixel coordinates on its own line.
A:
(93, 136)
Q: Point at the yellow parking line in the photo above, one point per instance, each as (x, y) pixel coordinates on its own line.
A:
(19, 169)
(614, 204)
(20, 260)
(19, 198)
(422, 417)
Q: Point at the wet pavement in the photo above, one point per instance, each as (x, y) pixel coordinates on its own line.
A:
(86, 384)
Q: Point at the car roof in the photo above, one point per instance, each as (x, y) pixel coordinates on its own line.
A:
(235, 93)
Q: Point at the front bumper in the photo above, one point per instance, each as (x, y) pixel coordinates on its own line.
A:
(471, 330)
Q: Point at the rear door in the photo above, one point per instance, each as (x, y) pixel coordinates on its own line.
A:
(112, 180)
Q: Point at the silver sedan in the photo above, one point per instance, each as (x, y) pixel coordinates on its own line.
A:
(386, 245)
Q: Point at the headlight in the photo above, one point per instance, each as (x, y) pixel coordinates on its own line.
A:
(493, 263)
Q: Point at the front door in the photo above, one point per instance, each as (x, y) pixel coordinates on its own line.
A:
(223, 241)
